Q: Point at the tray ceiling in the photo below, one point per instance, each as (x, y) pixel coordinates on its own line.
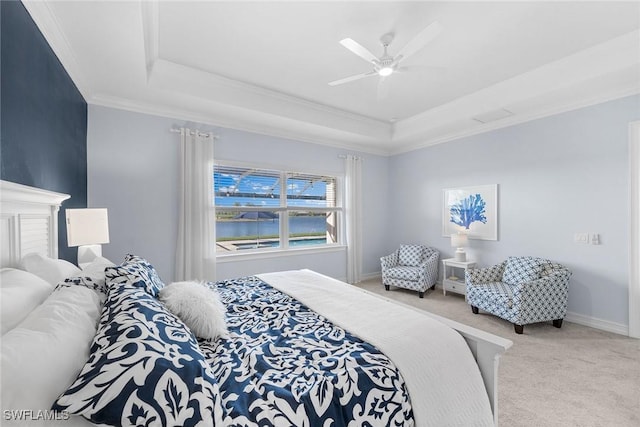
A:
(264, 66)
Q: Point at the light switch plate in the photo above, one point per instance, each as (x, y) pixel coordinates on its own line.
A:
(581, 238)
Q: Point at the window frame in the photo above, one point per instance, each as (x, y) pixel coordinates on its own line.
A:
(283, 210)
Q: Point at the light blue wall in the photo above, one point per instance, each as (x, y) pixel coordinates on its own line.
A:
(133, 171)
(557, 176)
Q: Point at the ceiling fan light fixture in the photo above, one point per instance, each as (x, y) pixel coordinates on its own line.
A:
(385, 71)
(386, 65)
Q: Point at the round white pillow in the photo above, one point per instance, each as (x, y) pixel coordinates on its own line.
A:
(197, 306)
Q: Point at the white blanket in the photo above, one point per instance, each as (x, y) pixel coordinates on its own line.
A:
(442, 377)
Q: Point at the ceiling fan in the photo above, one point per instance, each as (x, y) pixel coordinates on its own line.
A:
(386, 64)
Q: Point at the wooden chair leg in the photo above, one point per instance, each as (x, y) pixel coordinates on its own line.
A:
(386, 287)
(421, 294)
(519, 329)
(557, 323)
(474, 309)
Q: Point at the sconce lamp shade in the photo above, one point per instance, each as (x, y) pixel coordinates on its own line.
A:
(87, 226)
(459, 241)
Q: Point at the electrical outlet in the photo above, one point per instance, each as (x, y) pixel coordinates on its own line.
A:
(594, 238)
(581, 238)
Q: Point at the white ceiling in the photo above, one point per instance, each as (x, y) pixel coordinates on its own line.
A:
(264, 66)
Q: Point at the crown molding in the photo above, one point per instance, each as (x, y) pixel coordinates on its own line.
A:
(182, 92)
(168, 75)
(49, 26)
(513, 121)
(572, 71)
(328, 137)
(608, 71)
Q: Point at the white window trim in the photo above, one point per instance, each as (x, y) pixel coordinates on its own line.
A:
(252, 254)
(285, 249)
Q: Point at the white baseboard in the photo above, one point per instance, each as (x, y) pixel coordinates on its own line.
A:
(580, 319)
(375, 275)
(593, 322)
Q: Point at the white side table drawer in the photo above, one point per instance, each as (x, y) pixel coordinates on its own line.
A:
(453, 275)
(454, 286)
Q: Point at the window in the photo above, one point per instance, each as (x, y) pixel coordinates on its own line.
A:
(261, 209)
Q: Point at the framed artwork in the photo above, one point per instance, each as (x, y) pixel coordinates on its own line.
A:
(471, 210)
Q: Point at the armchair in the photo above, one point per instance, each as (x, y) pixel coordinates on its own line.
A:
(411, 267)
(522, 290)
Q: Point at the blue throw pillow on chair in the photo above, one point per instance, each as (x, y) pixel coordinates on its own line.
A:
(410, 255)
(521, 269)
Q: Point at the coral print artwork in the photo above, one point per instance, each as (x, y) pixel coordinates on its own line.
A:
(467, 211)
(471, 210)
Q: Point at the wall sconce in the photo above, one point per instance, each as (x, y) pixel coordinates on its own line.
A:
(87, 229)
(459, 241)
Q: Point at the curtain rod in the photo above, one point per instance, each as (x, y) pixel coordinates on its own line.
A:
(194, 132)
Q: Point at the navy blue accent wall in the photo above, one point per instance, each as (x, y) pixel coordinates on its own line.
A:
(43, 134)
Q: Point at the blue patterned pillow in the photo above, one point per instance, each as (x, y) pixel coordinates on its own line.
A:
(521, 270)
(135, 271)
(145, 368)
(410, 255)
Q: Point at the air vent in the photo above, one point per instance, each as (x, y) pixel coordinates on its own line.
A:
(493, 116)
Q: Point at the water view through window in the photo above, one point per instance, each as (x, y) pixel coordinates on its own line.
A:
(252, 213)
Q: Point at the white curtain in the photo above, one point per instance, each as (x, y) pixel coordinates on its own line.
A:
(195, 254)
(353, 218)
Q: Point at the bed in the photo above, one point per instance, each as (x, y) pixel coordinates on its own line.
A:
(301, 349)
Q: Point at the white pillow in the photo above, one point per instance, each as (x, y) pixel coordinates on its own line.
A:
(95, 269)
(20, 293)
(197, 306)
(97, 264)
(43, 355)
(51, 270)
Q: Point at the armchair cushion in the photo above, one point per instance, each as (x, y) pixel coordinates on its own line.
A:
(498, 294)
(404, 273)
(410, 255)
(522, 269)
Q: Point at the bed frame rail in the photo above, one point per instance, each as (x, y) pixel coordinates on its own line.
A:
(485, 347)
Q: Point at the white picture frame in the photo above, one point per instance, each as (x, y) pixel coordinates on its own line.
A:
(471, 210)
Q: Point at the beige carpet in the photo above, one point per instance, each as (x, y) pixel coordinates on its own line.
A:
(573, 376)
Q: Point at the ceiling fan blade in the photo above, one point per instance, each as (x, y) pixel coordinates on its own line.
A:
(359, 50)
(430, 69)
(352, 78)
(419, 41)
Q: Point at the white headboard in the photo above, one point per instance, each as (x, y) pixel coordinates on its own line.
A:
(28, 222)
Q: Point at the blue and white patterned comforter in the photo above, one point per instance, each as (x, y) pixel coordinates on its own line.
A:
(284, 364)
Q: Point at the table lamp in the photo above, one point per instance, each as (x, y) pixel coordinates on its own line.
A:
(87, 229)
(459, 241)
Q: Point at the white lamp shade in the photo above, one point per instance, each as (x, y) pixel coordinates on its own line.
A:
(459, 240)
(87, 226)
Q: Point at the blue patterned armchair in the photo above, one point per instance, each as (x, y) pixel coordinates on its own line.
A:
(522, 290)
(411, 267)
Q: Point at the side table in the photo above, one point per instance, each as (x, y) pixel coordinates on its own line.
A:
(453, 275)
